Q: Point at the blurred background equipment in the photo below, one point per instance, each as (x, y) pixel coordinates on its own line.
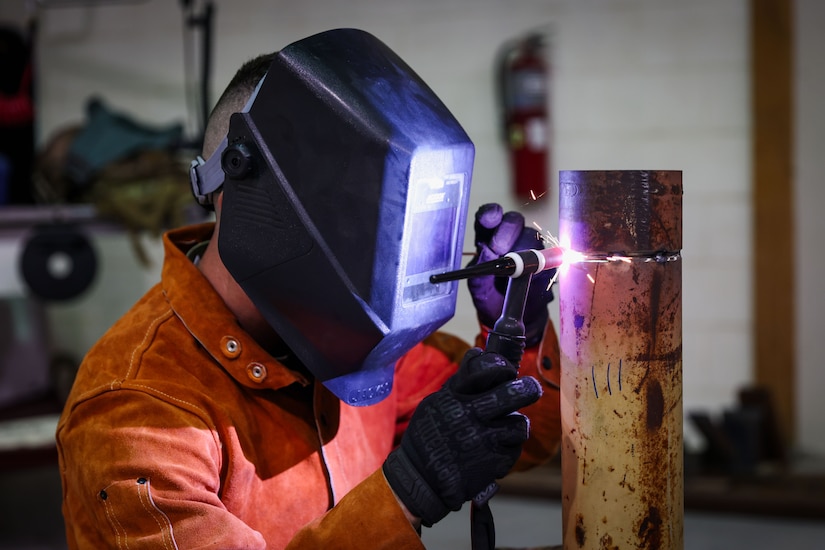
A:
(16, 115)
(58, 262)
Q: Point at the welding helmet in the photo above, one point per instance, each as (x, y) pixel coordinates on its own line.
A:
(346, 184)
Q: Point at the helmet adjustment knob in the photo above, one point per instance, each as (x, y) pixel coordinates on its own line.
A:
(237, 161)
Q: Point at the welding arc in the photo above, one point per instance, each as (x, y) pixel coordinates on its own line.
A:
(512, 264)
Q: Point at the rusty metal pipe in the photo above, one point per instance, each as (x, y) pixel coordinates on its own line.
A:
(621, 360)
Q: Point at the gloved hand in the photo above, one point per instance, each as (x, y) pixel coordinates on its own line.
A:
(496, 234)
(463, 437)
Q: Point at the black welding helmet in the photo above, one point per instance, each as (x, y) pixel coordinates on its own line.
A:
(346, 185)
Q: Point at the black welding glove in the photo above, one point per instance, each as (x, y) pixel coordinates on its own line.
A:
(497, 233)
(463, 437)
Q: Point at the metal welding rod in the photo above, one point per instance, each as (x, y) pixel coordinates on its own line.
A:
(512, 264)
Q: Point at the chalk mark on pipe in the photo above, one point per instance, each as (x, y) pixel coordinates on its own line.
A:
(593, 376)
(620, 375)
(609, 390)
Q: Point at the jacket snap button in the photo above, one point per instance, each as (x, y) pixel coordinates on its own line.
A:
(256, 371)
(231, 347)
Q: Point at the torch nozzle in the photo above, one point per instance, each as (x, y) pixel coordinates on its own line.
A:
(512, 264)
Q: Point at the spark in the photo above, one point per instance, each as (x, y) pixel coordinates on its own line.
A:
(553, 280)
(546, 236)
(534, 197)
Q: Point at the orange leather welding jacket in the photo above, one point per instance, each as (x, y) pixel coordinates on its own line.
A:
(182, 432)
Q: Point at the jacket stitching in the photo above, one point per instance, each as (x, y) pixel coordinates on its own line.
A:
(142, 346)
(164, 524)
(203, 413)
(116, 526)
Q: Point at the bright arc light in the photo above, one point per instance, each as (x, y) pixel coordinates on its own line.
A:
(570, 256)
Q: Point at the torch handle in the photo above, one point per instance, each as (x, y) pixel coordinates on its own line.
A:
(507, 339)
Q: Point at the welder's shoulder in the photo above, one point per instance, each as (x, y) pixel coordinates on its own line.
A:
(148, 334)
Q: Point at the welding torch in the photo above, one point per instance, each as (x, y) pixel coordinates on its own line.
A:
(507, 335)
(507, 338)
(513, 265)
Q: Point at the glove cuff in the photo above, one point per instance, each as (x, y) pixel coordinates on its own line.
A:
(414, 492)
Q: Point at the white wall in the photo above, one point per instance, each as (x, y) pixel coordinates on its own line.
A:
(638, 84)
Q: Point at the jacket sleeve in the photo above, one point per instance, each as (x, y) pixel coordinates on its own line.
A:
(367, 514)
(131, 483)
(371, 509)
(128, 483)
(542, 362)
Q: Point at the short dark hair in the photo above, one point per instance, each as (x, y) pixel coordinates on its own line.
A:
(233, 98)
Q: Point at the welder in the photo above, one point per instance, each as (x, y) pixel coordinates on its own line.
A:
(285, 384)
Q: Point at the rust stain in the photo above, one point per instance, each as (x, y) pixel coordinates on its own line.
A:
(580, 534)
(650, 530)
(631, 210)
(655, 405)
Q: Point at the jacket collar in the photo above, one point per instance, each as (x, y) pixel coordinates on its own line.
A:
(209, 320)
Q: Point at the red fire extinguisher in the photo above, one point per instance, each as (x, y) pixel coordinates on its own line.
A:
(523, 86)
